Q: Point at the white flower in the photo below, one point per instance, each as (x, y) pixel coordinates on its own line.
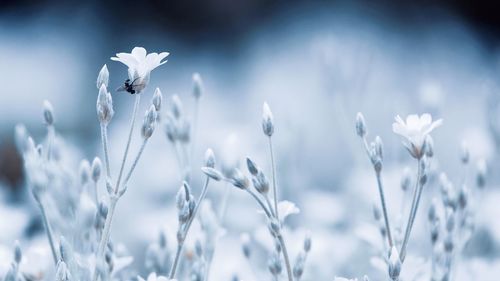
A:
(415, 130)
(140, 64)
(153, 277)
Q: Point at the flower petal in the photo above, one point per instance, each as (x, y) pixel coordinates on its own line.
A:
(139, 53)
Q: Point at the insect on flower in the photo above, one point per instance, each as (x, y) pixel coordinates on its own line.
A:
(131, 88)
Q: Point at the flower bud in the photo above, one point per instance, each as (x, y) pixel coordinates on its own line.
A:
(239, 179)
(209, 158)
(96, 169)
(84, 172)
(197, 85)
(21, 138)
(406, 179)
(394, 264)
(465, 155)
(148, 126)
(377, 214)
(157, 98)
(261, 183)
(429, 146)
(104, 106)
(245, 245)
(212, 173)
(176, 106)
(307, 242)
(267, 120)
(360, 125)
(252, 167)
(18, 254)
(481, 171)
(48, 113)
(62, 273)
(103, 77)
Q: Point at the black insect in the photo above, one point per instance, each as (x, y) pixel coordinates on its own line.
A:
(131, 88)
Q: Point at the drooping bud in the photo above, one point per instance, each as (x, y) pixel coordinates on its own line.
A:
(197, 85)
(48, 113)
(360, 125)
(239, 180)
(209, 158)
(267, 120)
(104, 106)
(96, 169)
(377, 214)
(157, 98)
(212, 173)
(62, 273)
(148, 126)
(394, 264)
(103, 77)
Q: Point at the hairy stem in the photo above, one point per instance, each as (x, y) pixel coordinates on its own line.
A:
(285, 256)
(104, 139)
(275, 188)
(382, 197)
(186, 229)
(134, 164)
(125, 154)
(413, 211)
(48, 230)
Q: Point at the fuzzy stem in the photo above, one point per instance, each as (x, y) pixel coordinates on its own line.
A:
(134, 164)
(176, 260)
(48, 230)
(285, 255)
(382, 197)
(413, 211)
(186, 229)
(50, 139)
(125, 154)
(104, 138)
(275, 188)
(384, 208)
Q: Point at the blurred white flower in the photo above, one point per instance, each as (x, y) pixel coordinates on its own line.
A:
(153, 277)
(415, 130)
(140, 64)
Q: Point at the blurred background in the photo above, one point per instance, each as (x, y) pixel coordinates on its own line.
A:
(317, 63)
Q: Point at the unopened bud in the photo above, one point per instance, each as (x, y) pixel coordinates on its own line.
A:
(360, 125)
(394, 264)
(481, 171)
(104, 106)
(307, 242)
(96, 169)
(18, 254)
(267, 120)
(176, 106)
(209, 158)
(148, 126)
(465, 155)
(252, 167)
(157, 98)
(84, 172)
(48, 113)
(261, 183)
(406, 179)
(429, 146)
(197, 85)
(212, 173)
(103, 77)
(239, 180)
